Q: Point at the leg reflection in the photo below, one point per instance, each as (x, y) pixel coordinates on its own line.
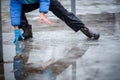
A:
(19, 70)
(24, 71)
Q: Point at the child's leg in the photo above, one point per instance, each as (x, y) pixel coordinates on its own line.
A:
(24, 22)
(27, 8)
(70, 19)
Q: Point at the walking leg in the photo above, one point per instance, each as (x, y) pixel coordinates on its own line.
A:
(70, 19)
(24, 25)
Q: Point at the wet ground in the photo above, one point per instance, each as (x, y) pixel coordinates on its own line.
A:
(57, 53)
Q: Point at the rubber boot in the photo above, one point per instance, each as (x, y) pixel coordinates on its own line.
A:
(89, 34)
(27, 31)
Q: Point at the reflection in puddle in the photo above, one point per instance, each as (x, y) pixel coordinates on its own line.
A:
(21, 73)
(19, 48)
(19, 70)
(22, 69)
(48, 70)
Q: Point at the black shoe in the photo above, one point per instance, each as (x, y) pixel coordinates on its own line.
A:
(89, 34)
(95, 36)
(27, 31)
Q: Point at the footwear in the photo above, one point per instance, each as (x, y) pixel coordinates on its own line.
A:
(27, 31)
(91, 35)
(95, 36)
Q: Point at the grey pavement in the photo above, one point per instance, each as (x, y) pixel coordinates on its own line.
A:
(68, 55)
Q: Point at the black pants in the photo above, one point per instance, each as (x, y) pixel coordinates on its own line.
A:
(69, 18)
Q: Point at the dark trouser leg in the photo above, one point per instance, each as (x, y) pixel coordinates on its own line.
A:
(24, 23)
(23, 20)
(27, 8)
(70, 19)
